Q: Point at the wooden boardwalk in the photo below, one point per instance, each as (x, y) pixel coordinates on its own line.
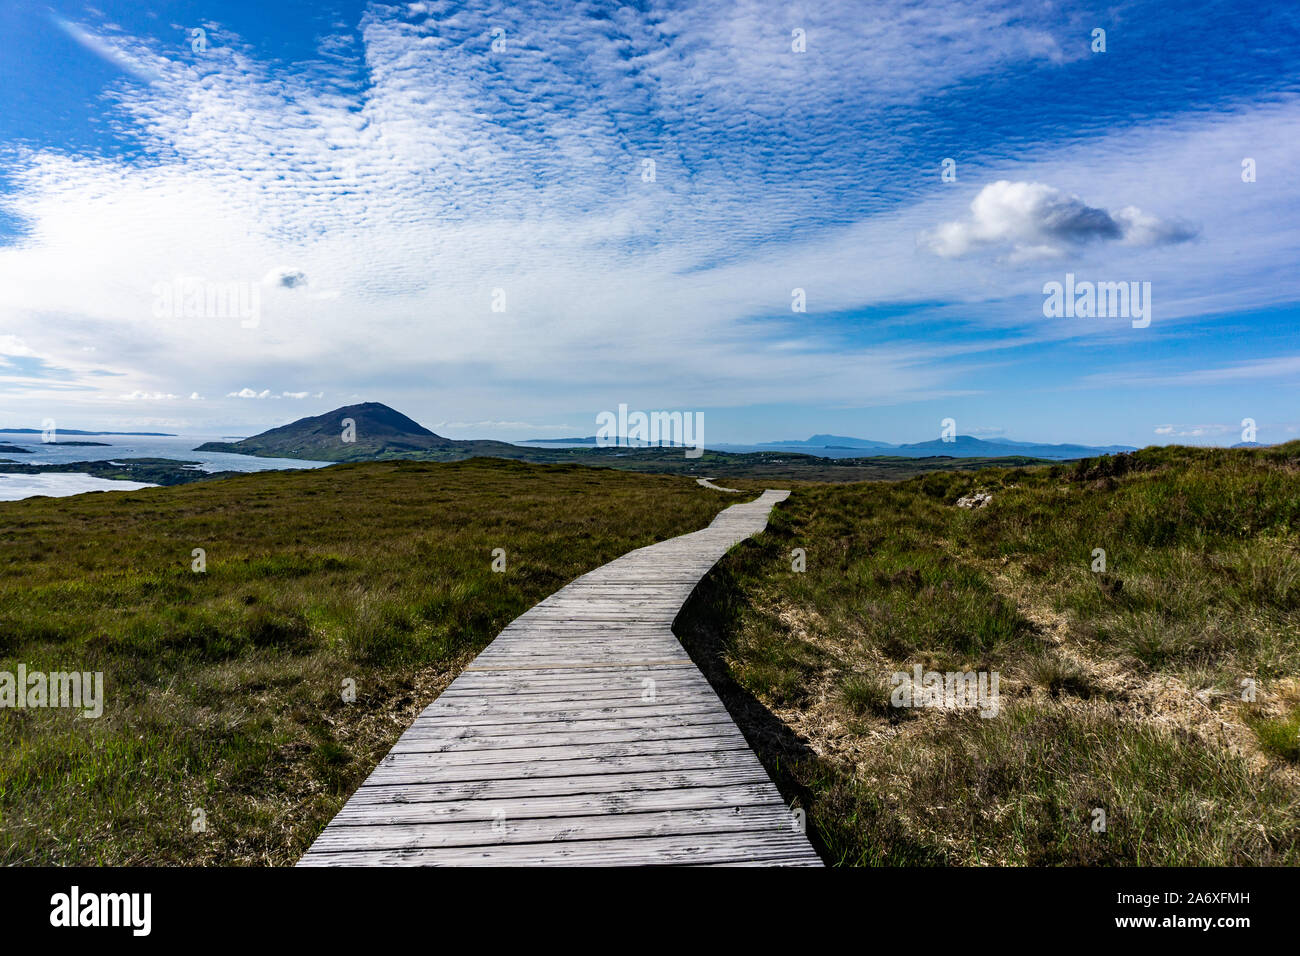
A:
(708, 483)
(582, 735)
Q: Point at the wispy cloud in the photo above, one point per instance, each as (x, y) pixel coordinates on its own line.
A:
(1193, 431)
(120, 51)
(267, 393)
(142, 396)
(1285, 368)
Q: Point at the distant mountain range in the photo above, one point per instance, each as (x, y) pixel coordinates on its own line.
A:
(962, 446)
(826, 441)
(376, 431)
(623, 442)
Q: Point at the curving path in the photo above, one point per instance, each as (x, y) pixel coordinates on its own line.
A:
(582, 735)
(708, 483)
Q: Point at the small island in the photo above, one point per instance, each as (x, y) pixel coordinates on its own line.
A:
(153, 471)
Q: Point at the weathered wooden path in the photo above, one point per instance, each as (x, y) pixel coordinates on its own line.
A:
(582, 735)
(708, 483)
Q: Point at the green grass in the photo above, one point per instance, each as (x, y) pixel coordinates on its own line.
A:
(1279, 736)
(224, 689)
(1121, 690)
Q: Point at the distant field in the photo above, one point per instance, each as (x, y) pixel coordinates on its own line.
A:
(1122, 691)
(224, 688)
(761, 466)
(782, 467)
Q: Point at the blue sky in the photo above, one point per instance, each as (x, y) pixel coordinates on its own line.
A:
(379, 175)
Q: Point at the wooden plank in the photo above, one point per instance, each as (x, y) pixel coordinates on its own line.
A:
(573, 706)
(565, 738)
(552, 805)
(599, 750)
(508, 728)
(588, 784)
(602, 695)
(548, 750)
(574, 674)
(505, 829)
(561, 664)
(426, 768)
(593, 710)
(753, 847)
(622, 683)
(526, 721)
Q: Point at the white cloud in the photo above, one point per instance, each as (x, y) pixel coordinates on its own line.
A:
(1194, 431)
(267, 393)
(141, 396)
(1039, 221)
(13, 346)
(285, 278)
(123, 53)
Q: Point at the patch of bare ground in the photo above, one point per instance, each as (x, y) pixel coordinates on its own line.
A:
(820, 717)
(1216, 717)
